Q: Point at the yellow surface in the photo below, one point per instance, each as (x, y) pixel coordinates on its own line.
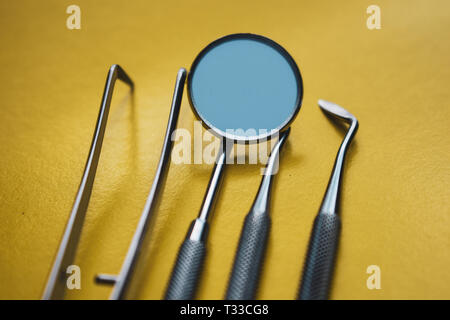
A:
(396, 191)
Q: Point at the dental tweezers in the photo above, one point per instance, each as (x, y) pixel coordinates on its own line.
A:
(55, 287)
(56, 282)
(123, 280)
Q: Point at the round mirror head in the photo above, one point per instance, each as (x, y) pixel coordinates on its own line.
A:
(245, 87)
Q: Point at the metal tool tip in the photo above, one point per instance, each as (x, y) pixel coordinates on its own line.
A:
(336, 110)
(182, 71)
(327, 105)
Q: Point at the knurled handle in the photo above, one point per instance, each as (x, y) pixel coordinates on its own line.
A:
(248, 262)
(186, 271)
(319, 263)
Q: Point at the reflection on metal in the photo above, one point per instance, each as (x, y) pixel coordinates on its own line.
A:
(56, 283)
(251, 250)
(324, 240)
(124, 279)
(330, 203)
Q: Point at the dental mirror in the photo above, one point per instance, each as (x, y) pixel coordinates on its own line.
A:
(245, 88)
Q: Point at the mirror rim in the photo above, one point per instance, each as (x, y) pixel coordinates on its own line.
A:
(275, 46)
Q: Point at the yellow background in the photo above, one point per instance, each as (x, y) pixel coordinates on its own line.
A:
(396, 196)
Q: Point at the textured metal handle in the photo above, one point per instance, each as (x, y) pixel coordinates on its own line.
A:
(249, 257)
(186, 272)
(319, 263)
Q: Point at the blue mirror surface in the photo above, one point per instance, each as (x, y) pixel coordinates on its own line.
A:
(243, 83)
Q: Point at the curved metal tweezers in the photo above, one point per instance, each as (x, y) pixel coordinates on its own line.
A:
(56, 283)
(123, 280)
